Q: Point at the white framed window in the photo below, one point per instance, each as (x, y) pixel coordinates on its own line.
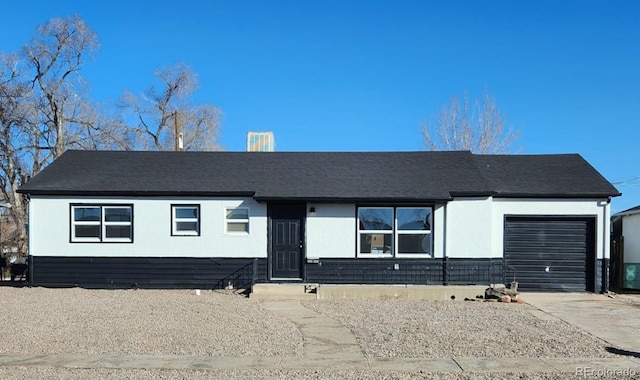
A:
(394, 232)
(86, 223)
(102, 223)
(413, 231)
(236, 220)
(185, 220)
(375, 231)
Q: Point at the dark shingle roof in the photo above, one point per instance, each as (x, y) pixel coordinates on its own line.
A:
(548, 175)
(383, 176)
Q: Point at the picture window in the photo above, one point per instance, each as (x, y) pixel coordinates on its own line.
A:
(102, 223)
(394, 231)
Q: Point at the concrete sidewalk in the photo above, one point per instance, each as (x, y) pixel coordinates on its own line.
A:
(608, 318)
(327, 344)
(454, 365)
(324, 338)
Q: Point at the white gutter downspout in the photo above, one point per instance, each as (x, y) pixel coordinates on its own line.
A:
(606, 246)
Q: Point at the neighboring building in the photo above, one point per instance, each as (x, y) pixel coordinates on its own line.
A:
(626, 243)
(111, 219)
(260, 142)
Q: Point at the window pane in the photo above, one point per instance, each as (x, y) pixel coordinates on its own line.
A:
(375, 218)
(117, 214)
(238, 213)
(86, 214)
(187, 226)
(238, 227)
(375, 243)
(414, 219)
(414, 243)
(186, 212)
(118, 231)
(87, 231)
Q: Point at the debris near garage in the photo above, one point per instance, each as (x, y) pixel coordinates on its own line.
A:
(500, 293)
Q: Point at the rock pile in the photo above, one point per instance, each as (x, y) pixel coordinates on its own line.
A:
(503, 294)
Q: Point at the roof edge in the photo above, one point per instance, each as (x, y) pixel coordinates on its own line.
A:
(555, 195)
(389, 200)
(140, 193)
(486, 193)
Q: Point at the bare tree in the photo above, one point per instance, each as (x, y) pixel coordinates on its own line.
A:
(15, 140)
(476, 125)
(42, 111)
(164, 114)
(56, 56)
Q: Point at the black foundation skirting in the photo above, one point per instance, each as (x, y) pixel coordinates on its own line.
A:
(447, 271)
(146, 273)
(218, 273)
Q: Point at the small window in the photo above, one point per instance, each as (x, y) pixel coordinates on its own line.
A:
(185, 220)
(375, 225)
(117, 223)
(85, 225)
(237, 220)
(96, 223)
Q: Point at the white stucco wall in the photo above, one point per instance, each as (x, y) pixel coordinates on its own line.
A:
(50, 229)
(331, 231)
(475, 226)
(464, 227)
(439, 227)
(547, 207)
(631, 233)
(468, 228)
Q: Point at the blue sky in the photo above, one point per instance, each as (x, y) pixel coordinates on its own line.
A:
(340, 75)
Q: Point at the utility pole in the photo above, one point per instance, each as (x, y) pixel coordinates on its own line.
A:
(177, 131)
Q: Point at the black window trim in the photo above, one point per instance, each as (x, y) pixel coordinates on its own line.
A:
(173, 219)
(101, 240)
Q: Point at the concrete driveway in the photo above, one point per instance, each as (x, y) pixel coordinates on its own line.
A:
(614, 319)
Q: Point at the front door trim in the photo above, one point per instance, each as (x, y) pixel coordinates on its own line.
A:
(288, 213)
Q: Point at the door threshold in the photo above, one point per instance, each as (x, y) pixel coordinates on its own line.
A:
(285, 279)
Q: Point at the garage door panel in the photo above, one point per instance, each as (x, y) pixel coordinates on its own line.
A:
(547, 238)
(555, 278)
(550, 229)
(543, 222)
(563, 245)
(550, 252)
(558, 258)
(573, 281)
(553, 287)
(532, 263)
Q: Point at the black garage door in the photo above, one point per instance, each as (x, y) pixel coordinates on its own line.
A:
(551, 253)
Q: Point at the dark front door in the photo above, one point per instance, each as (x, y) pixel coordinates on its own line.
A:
(287, 241)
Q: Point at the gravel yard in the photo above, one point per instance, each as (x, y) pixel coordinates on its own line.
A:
(142, 322)
(179, 322)
(457, 329)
